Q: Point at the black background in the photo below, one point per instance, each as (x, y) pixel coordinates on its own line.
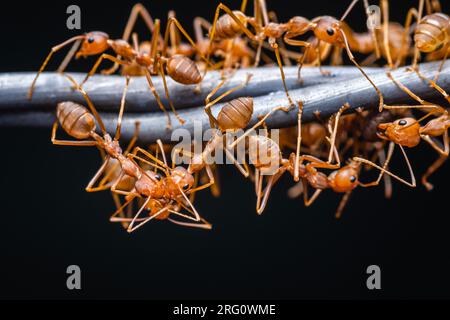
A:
(49, 222)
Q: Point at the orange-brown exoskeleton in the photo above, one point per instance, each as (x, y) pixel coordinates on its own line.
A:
(265, 155)
(79, 123)
(160, 200)
(233, 116)
(233, 24)
(95, 43)
(432, 32)
(407, 132)
(336, 32)
(180, 68)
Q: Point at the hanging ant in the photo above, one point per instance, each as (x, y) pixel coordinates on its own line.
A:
(233, 116)
(79, 123)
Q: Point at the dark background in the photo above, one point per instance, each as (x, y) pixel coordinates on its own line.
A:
(49, 222)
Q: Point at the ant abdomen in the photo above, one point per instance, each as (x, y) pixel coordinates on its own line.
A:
(236, 114)
(75, 119)
(264, 153)
(227, 28)
(183, 70)
(432, 32)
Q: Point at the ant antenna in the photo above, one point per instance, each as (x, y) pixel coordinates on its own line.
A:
(350, 7)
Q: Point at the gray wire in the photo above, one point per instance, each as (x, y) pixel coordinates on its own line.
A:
(326, 97)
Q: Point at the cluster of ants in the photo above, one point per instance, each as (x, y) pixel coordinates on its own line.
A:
(143, 179)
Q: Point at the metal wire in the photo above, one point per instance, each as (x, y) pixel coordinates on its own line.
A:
(326, 94)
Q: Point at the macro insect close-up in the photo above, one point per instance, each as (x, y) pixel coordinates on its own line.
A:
(246, 149)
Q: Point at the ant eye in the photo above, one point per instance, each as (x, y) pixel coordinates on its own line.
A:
(158, 177)
(402, 122)
(185, 187)
(330, 31)
(352, 179)
(90, 40)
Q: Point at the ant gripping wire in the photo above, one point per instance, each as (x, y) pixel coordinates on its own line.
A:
(319, 93)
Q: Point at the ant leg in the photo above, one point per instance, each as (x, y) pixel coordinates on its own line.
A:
(99, 61)
(316, 163)
(137, 10)
(119, 211)
(117, 191)
(133, 140)
(342, 204)
(132, 227)
(405, 89)
(47, 59)
(163, 154)
(121, 214)
(173, 20)
(372, 31)
(352, 58)
(433, 168)
(69, 142)
(204, 225)
(319, 54)
(387, 48)
(386, 178)
(299, 143)
(433, 85)
(158, 100)
(310, 201)
(190, 205)
(412, 13)
(166, 89)
(206, 185)
(444, 59)
(157, 166)
(272, 180)
(259, 123)
(121, 110)
(386, 162)
(283, 78)
(242, 169)
(410, 184)
(89, 187)
(215, 188)
(442, 151)
(334, 133)
(69, 56)
(301, 61)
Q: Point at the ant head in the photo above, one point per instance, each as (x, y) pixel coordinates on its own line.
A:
(94, 43)
(182, 178)
(405, 131)
(328, 30)
(346, 178)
